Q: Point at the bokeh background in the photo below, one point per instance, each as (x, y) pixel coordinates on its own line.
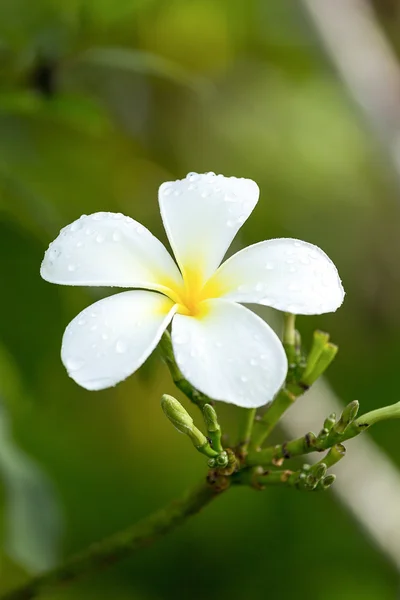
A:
(100, 102)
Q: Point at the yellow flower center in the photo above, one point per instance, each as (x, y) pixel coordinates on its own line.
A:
(191, 295)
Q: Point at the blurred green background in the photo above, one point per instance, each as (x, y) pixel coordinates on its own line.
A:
(100, 102)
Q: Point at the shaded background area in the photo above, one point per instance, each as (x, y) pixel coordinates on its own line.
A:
(100, 102)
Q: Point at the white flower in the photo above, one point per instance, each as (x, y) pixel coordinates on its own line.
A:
(221, 347)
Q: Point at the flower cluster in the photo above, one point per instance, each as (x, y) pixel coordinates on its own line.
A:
(222, 348)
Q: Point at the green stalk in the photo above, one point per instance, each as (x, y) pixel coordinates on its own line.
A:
(310, 443)
(120, 545)
(264, 426)
(289, 336)
(167, 352)
(246, 423)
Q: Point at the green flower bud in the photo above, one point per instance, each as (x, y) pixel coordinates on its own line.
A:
(183, 422)
(347, 417)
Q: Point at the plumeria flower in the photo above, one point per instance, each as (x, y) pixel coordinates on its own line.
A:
(223, 349)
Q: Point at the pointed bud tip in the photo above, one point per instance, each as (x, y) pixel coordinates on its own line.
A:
(175, 412)
(210, 417)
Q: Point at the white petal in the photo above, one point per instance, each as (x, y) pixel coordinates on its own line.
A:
(202, 214)
(109, 249)
(109, 340)
(287, 274)
(230, 354)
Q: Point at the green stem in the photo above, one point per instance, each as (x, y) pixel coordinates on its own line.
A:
(309, 443)
(264, 426)
(246, 423)
(120, 545)
(289, 336)
(181, 383)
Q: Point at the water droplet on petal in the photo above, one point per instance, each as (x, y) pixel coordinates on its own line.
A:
(75, 226)
(120, 347)
(116, 236)
(218, 344)
(79, 244)
(192, 176)
(253, 362)
(93, 327)
(243, 378)
(71, 267)
(230, 223)
(81, 321)
(269, 266)
(293, 287)
(259, 287)
(100, 238)
(297, 244)
(73, 364)
(104, 336)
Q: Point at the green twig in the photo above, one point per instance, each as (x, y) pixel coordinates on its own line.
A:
(289, 336)
(265, 425)
(246, 423)
(120, 545)
(311, 443)
(197, 397)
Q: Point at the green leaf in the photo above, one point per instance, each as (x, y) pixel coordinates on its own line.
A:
(31, 522)
(147, 63)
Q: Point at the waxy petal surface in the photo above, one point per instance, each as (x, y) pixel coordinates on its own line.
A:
(230, 354)
(112, 338)
(286, 274)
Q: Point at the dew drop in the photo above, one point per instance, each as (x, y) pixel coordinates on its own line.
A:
(88, 231)
(71, 267)
(177, 192)
(104, 336)
(292, 269)
(93, 327)
(100, 238)
(79, 244)
(304, 260)
(297, 244)
(116, 236)
(289, 261)
(253, 362)
(120, 347)
(243, 378)
(269, 266)
(118, 216)
(75, 226)
(259, 287)
(97, 217)
(81, 321)
(293, 287)
(218, 344)
(53, 253)
(230, 223)
(73, 364)
(192, 176)
(167, 191)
